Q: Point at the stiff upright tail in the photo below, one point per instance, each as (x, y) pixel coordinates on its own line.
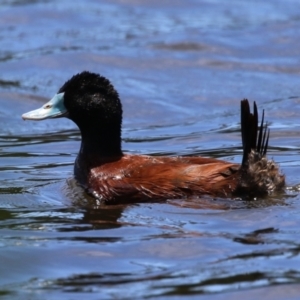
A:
(252, 139)
(258, 174)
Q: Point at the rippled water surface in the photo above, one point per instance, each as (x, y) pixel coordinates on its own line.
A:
(181, 68)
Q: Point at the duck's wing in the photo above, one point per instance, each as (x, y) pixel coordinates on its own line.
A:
(143, 178)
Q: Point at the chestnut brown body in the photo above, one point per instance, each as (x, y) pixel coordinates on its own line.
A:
(135, 178)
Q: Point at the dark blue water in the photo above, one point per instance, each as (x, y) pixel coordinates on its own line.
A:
(181, 68)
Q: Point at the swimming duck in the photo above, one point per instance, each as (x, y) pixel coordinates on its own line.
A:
(92, 103)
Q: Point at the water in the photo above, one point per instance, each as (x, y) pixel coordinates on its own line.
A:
(181, 68)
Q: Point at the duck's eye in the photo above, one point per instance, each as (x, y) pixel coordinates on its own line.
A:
(48, 106)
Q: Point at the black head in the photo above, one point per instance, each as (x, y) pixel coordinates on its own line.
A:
(91, 99)
(93, 104)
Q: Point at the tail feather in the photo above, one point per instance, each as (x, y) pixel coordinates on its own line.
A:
(258, 175)
(252, 138)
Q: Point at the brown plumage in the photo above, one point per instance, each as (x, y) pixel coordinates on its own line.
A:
(113, 177)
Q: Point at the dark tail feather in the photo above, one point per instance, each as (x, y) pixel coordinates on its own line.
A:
(249, 129)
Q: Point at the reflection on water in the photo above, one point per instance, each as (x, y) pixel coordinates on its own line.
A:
(181, 69)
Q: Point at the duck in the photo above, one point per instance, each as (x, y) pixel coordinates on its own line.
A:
(114, 177)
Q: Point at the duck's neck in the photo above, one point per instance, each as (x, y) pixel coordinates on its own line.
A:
(97, 148)
(100, 144)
